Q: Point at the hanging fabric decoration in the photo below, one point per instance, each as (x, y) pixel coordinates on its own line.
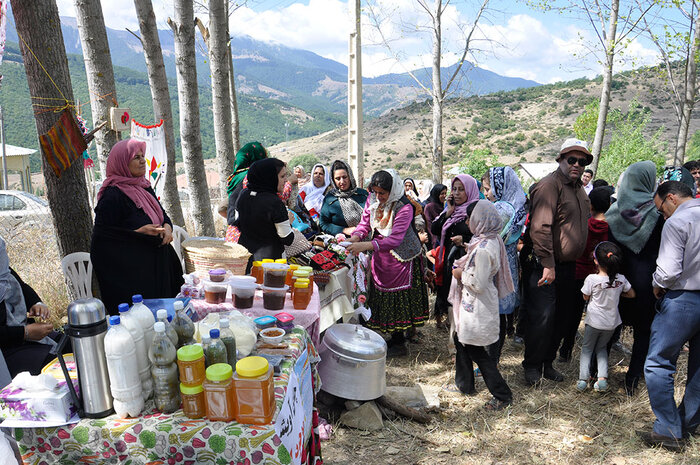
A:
(87, 161)
(156, 155)
(63, 144)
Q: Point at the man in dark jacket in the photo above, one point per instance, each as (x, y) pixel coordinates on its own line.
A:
(555, 238)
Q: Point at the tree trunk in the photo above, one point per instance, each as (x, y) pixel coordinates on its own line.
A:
(235, 125)
(188, 97)
(100, 75)
(689, 101)
(219, 66)
(607, 85)
(38, 24)
(437, 94)
(160, 92)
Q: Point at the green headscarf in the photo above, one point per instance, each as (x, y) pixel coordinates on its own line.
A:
(633, 217)
(246, 156)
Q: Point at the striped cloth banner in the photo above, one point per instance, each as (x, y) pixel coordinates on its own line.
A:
(63, 144)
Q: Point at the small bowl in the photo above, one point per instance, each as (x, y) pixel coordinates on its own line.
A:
(272, 335)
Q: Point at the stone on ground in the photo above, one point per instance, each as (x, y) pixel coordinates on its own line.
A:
(366, 417)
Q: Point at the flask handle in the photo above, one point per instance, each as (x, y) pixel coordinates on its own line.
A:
(59, 353)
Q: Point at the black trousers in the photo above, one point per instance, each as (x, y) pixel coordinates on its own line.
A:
(494, 350)
(466, 355)
(549, 307)
(572, 321)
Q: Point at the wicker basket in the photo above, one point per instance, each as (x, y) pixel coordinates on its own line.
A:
(203, 254)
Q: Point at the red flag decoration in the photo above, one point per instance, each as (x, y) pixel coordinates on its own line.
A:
(63, 144)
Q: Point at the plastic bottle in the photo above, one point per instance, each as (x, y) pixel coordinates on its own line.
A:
(124, 381)
(145, 317)
(206, 340)
(229, 341)
(166, 382)
(144, 365)
(183, 325)
(216, 351)
(162, 315)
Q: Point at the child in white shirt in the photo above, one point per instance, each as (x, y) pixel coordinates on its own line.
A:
(602, 291)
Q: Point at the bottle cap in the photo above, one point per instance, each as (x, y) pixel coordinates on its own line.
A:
(170, 318)
(191, 390)
(301, 284)
(159, 327)
(283, 261)
(293, 267)
(136, 298)
(268, 260)
(162, 314)
(177, 305)
(190, 353)
(114, 320)
(220, 371)
(205, 338)
(223, 323)
(214, 333)
(257, 263)
(251, 367)
(123, 308)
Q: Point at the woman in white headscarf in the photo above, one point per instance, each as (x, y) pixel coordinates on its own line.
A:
(313, 192)
(26, 344)
(398, 297)
(480, 278)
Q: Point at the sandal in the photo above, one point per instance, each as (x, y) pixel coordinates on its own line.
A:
(601, 385)
(495, 404)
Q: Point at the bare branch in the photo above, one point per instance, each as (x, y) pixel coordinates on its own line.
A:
(134, 34)
(466, 47)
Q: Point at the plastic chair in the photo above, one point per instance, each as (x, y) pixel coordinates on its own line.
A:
(180, 235)
(77, 268)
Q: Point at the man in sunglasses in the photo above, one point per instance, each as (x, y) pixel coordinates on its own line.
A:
(676, 282)
(555, 238)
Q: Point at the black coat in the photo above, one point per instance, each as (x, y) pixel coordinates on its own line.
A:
(127, 262)
(452, 252)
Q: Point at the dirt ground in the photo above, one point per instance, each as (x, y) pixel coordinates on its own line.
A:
(550, 424)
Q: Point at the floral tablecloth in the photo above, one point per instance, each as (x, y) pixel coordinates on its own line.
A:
(155, 438)
(308, 318)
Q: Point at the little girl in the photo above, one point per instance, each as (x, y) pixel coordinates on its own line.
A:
(480, 278)
(602, 291)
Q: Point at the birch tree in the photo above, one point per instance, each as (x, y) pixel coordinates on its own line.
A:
(437, 90)
(219, 67)
(188, 97)
(41, 44)
(235, 122)
(160, 92)
(100, 75)
(612, 32)
(680, 43)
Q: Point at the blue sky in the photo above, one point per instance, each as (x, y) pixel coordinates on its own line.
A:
(527, 43)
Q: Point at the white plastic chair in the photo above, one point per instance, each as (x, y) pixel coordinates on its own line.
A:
(77, 268)
(180, 235)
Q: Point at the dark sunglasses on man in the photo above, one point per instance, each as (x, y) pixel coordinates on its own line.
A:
(573, 160)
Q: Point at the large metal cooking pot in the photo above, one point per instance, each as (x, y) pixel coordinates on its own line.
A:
(353, 362)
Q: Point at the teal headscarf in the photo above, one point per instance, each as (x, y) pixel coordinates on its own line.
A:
(633, 217)
(246, 156)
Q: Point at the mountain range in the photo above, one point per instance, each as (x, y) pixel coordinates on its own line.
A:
(276, 85)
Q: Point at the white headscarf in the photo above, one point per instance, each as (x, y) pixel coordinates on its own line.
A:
(424, 190)
(313, 196)
(382, 215)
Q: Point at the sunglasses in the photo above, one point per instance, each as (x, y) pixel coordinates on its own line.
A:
(573, 160)
(660, 209)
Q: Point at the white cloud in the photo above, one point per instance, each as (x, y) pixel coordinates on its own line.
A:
(520, 45)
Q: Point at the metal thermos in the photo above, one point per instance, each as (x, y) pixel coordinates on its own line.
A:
(87, 326)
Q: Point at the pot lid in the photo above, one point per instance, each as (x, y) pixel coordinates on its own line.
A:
(355, 341)
(83, 312)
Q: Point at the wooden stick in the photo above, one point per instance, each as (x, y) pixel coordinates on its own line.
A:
(402, 410)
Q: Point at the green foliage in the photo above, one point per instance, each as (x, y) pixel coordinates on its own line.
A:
(692, 149)
(307, 160)
(478, 162)
(586, 123)
(628, 144)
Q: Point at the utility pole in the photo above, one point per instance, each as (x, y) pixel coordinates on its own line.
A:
(4, 155)
(355, 151)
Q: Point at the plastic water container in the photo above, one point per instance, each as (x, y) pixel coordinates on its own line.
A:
(166, 383)
(183, 325)
(124, 381)
(131, 323)
(162, 315)
(145, 317)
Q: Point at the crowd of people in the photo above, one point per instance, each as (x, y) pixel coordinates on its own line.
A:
(501, 262)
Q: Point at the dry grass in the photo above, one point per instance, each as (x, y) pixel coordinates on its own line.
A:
(34, 256)
(551, 424)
